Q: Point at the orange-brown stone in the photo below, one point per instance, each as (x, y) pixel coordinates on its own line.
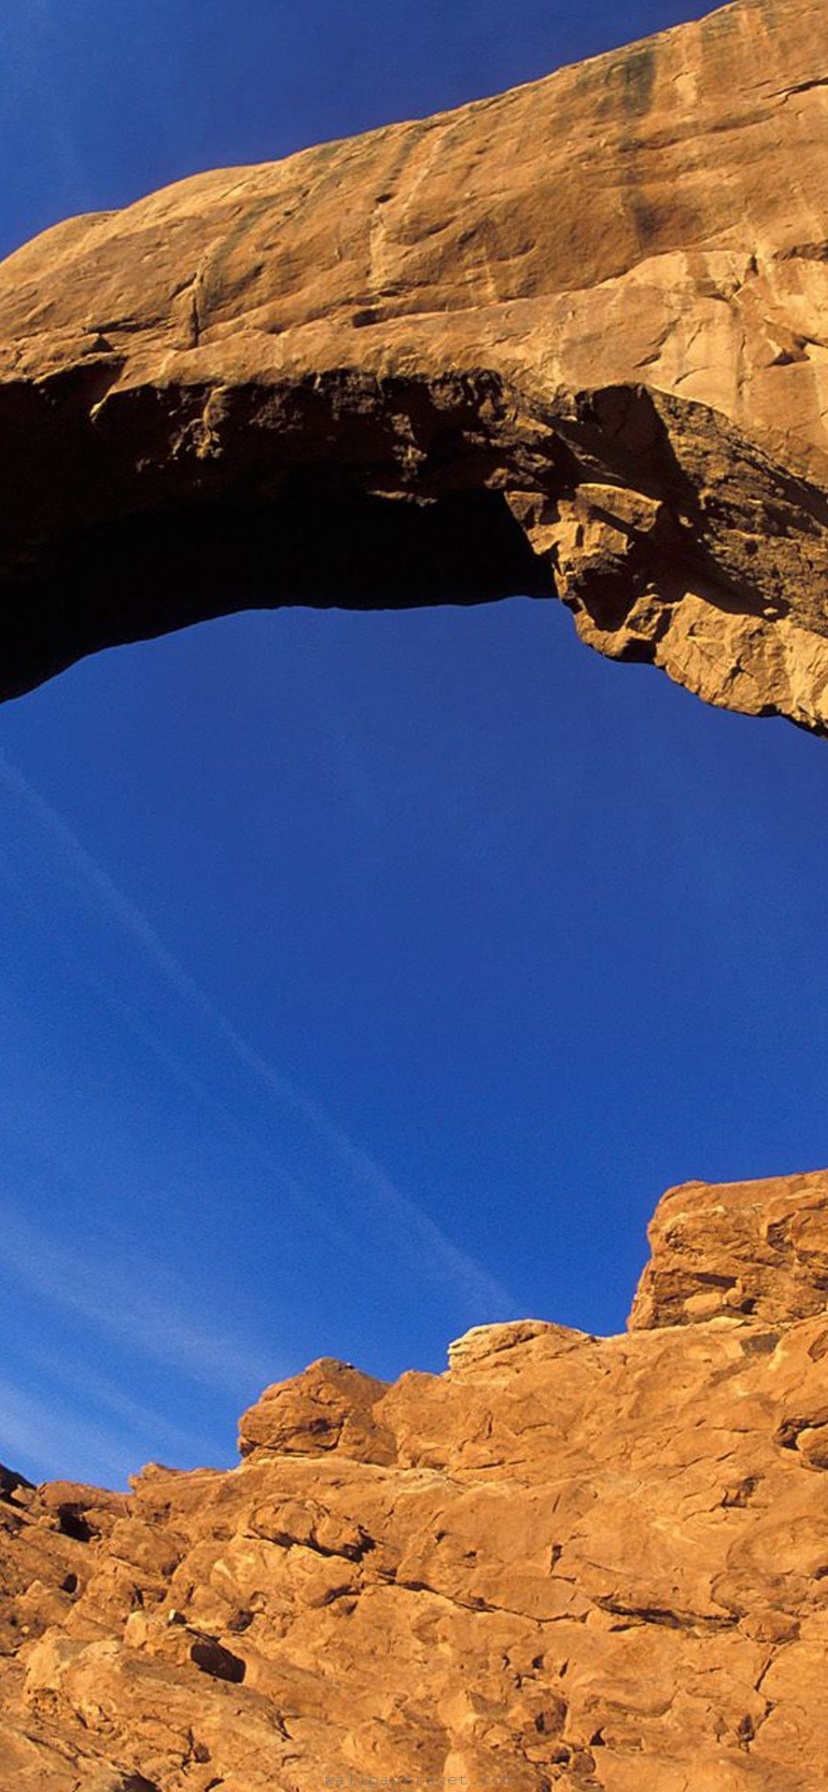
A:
(568, 340)
(574, 1561)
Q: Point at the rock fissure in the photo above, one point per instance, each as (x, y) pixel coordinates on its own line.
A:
(697, 1622)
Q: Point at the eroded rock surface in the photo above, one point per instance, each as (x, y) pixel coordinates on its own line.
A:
(570, 1561)
(571, 339)
(742, 1247)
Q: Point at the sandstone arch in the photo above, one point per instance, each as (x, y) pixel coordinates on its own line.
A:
(568, 340)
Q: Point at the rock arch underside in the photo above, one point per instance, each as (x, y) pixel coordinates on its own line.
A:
(570, 342)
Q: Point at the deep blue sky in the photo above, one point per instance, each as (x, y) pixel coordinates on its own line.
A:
(366, 977)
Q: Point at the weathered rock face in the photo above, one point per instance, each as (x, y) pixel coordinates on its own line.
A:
(569, 1561)
(743, 1247)
(569, 340)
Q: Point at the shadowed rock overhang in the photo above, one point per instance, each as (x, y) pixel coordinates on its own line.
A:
(568, 341)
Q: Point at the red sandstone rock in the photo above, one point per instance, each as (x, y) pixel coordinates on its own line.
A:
(745, 1247)
(330, 1407)
(570, 339)
(570, 1561)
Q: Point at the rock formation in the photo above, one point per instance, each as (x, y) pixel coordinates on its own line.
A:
(569, 340)
(570, 1561)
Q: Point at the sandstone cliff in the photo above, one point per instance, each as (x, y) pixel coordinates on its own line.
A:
(569, 1561)
(569, 340)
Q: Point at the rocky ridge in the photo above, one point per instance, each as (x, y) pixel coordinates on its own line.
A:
(566, 341)
(570, 1561)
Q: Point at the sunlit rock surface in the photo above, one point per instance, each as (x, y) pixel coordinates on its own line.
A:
(568, 1561)
(571, 339)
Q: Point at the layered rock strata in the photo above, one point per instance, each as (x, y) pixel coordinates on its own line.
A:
(571, 340)
(570, 1561)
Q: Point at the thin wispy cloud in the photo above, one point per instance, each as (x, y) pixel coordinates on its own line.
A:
(136, 1303)
(46, 1433)
(147, 1425)
(427, 1252)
